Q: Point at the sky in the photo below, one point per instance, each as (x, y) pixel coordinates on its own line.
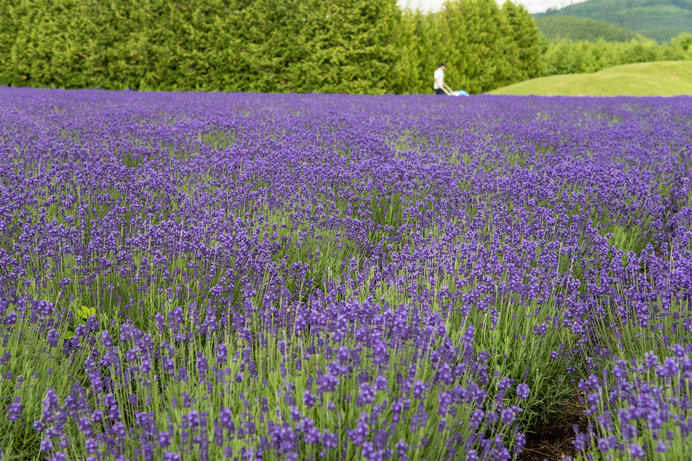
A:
(533, 6)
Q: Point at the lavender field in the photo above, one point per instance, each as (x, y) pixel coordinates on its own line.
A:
(193, 276)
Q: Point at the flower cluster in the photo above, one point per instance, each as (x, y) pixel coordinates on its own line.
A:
(250, 276)
(640, 407)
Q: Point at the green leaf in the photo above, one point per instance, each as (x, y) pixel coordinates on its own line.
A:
(86, 312)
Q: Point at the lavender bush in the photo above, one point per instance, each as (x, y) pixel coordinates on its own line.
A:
(251, 276)
(641, 409)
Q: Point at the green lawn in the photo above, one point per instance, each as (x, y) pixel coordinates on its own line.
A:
(663, 78)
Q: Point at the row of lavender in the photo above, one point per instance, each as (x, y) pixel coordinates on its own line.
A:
(192, 276)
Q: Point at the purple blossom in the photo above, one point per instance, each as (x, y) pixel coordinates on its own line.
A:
(382, 244)
(309, 399)
(509, 414)
(523, 391)
(14, 410)
(636, 451)
(366, 395)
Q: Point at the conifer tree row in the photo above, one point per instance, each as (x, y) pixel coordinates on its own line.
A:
(348, 46)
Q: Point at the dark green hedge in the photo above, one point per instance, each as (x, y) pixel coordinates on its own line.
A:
(352, 46)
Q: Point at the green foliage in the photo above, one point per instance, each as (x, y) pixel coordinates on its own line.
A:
(482, 45)
(412, 72)
(350, 46)
(270, 43)
(517, 341)
(564, 56)
(680, 47)
(230, 45)
(482, 53)
(83, 313)
(576, 28)
(660, 20)
(424, 44)
(525, 35)
(143, 44)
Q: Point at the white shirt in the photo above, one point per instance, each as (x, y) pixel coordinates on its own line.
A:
(439, 77)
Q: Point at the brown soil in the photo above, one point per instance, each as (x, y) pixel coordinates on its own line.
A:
(553, 441)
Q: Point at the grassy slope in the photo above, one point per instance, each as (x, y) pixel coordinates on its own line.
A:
(665, 78)
(658, 19)
(576, 28)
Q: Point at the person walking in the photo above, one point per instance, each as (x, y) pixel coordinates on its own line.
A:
(439, 79)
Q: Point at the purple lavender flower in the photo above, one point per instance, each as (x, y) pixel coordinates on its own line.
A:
(171, 456)
(14, 410)
(504, 384)
(636, 451)
(523, 391)
(366, 395)
(203, 228)
(46, 445)
(509, 414)
(309, 399)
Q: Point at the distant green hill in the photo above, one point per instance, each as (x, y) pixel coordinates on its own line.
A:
(575, 28)
(658, 19)
(663, 78)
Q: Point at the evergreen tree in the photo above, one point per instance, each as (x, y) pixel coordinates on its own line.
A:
(479, 40)
(451, 46)
(49, 45)
(11, 32)
(130, 46)
(526, 37)
(431, 49)
(351, 46)
(272, 44)
(234, 61)
(410, 42)
(186, 53)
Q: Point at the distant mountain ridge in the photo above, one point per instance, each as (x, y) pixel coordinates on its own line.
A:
(657, 19)
(576, 28)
